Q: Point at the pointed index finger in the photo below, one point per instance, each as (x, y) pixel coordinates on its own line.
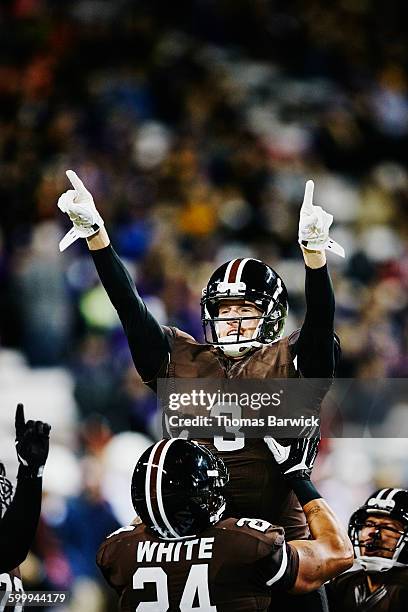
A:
(20, 420)
(307, 205)
(76, 182)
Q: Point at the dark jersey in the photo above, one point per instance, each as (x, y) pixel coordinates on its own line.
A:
(10, 582)
(256, 487)
(350, 592)
(232, 567)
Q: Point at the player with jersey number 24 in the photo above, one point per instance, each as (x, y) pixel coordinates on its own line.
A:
(184, 556)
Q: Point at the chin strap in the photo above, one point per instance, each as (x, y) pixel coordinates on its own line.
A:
(378, 564)
(236, 349)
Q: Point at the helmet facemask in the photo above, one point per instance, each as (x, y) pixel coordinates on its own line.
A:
(235, 344)
(271, 318)
(376, 507)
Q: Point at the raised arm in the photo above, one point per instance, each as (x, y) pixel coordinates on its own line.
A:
(19, 523)
(330, 552)
(316, 347)
(148, 343)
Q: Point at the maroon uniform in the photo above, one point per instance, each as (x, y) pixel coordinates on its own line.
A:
(255, 487)
(350, 593)
(231, 567)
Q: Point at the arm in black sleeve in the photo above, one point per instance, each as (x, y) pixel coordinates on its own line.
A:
(19, 524)
(147, 341)
(315, 347)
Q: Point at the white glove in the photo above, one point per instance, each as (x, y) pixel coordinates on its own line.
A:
(79, 205)
(314, 225)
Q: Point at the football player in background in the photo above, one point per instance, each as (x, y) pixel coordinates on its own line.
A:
(379, 534)
(19, 515)
(244, 308)
(183, 556)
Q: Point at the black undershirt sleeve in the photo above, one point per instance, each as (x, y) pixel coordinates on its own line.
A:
(148, 343)
(19, 523)
(315, 347)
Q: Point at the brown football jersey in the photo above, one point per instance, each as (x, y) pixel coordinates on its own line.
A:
(256, 487)
(350, 593)
(232, 567)
(10, 582)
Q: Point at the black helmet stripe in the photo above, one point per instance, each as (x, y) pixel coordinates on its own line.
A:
(392, 493)
(154, 498)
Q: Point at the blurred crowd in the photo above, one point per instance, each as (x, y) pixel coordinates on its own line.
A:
(195, 126)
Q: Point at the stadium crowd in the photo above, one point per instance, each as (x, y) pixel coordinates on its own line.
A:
(195, 125)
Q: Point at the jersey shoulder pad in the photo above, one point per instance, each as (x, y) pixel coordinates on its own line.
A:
(112, 540)
(260, 535)
(174, 334)
(115, 555)
(262, 546)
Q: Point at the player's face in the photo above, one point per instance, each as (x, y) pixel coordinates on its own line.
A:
(379, 536)
(237, 308)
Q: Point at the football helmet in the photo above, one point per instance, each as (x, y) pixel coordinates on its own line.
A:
(253, 281)
(392, 503)
(177, 488)
(6, 491)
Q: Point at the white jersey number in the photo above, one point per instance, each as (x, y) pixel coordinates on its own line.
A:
(196, 585)
(230, 411)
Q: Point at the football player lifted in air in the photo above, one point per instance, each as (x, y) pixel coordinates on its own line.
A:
(379, 534)
(19, 514)
(184, 556)
(244, 308)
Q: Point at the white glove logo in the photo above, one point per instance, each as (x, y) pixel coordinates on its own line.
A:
(280, 452)
(79, 205)
(314, 225)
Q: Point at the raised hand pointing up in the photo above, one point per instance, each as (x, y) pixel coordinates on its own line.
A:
(78, 204)
(32, 444)
(314, 225)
